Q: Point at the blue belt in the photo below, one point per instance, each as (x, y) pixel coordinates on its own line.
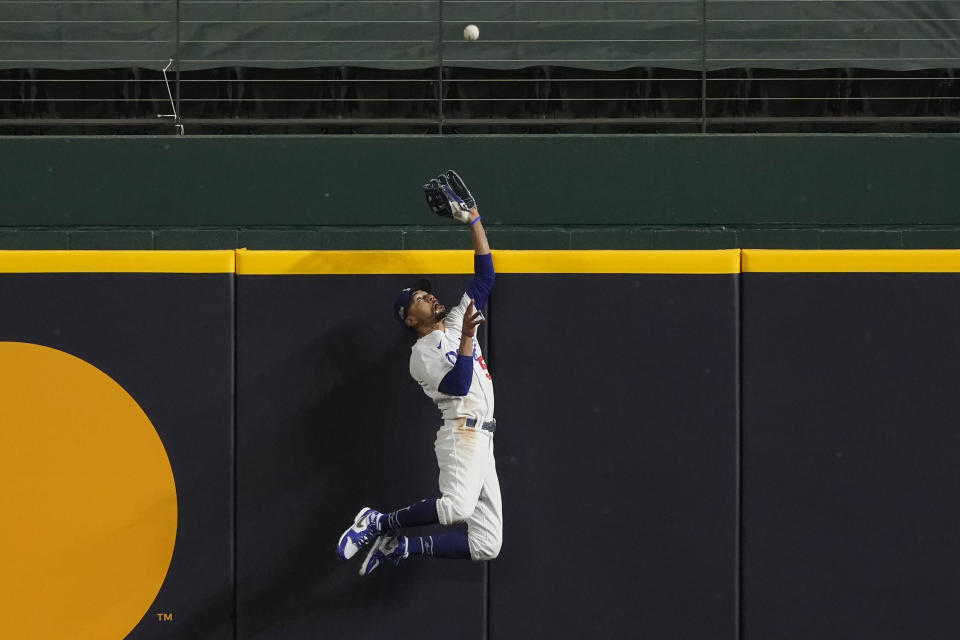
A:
(490, 425)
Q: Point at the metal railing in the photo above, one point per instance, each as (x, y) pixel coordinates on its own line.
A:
(539, 65)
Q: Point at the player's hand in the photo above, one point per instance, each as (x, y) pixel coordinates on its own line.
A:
(471, 319)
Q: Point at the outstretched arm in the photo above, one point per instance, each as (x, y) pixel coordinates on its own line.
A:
(480, 245)
(457, 381)
(483, 274)
(448, 196)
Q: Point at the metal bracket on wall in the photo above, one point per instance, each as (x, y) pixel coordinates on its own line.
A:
(173, 106)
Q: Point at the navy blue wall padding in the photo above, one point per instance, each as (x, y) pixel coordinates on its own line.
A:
(329, 421)
(850, 479)
(619, 490)
(168, 341)
(616, 445)
(629, 481)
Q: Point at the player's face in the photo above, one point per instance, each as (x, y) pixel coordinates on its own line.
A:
(424, 308)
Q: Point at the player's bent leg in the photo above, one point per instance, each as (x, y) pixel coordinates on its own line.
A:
(453, 545)
(463, 456)
(454, 509)
(485, 526)
(419, 514)
(392, 548)
(370, 523)
(470, 493)
(484, 548)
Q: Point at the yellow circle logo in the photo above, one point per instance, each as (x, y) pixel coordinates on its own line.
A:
(87, 497)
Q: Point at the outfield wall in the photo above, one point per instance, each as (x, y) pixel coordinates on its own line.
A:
(535, 192)
(716, 444)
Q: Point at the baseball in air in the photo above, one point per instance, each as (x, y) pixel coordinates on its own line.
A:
(472, 32)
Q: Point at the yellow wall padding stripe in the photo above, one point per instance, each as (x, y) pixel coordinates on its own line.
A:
(851, 261)
(352, 262)
(723, 261)
(461, 261)
(439, 262)
(117, 261)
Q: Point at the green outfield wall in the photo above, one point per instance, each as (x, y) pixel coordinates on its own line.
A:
(549, 192)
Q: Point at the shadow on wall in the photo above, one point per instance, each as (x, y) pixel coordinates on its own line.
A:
(335, 419)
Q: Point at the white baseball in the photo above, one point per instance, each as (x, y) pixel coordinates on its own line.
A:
(472, 32)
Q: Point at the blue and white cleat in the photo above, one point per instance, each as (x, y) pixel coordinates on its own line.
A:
(386, 548)
(360, 534)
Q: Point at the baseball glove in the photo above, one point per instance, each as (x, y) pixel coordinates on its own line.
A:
(445, 196)
(455, 182)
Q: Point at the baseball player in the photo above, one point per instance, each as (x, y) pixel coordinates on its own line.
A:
(447, 363)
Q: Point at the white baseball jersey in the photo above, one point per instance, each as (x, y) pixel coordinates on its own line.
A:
(434, 355)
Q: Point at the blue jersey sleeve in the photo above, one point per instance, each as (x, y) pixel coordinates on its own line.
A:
(482, 283)
(457, 381)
